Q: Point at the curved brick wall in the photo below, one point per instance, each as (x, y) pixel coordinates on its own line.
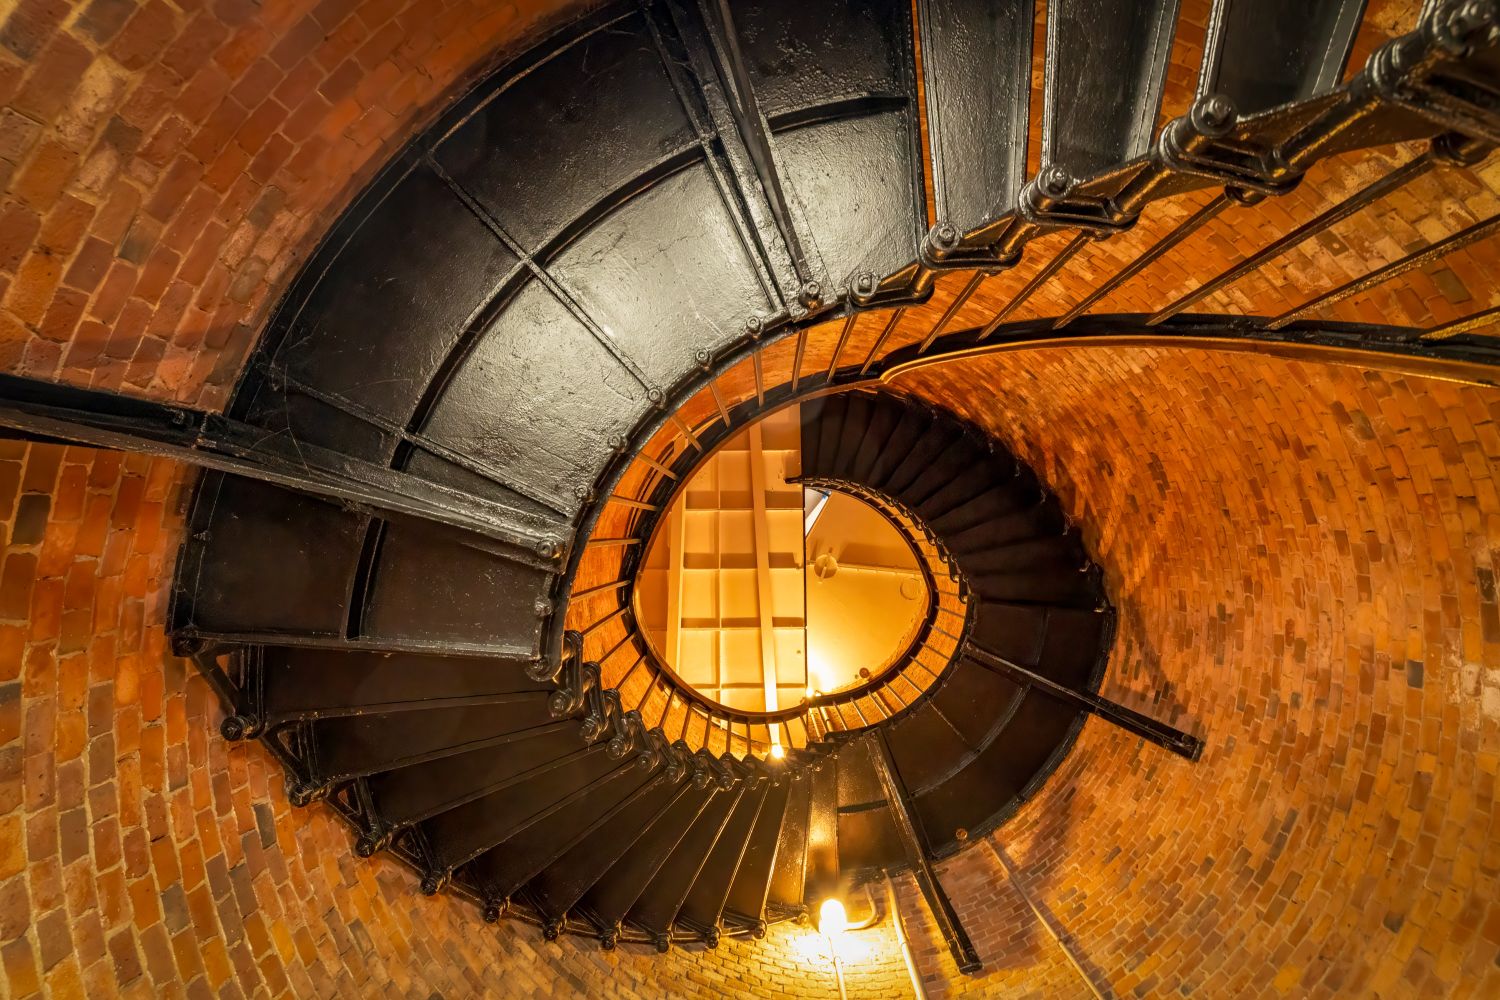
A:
(142, 855)
(1305, 556)
(168, 165)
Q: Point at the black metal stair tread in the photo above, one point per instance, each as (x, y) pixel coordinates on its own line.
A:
(935, 441)
(408, 794)
(976, 702)
(926, 746)
(852, 431)
(460, 834)
(967, 485)
(1005, 768)
(961, 460)
(1047, 554)
(1074, 646)
(788, 883)
(326, 681)
(868, 839)
(914, 422)
(1013, 632)
(367, 744)
(752, 883)
(1017, 493)
(1042, 520)
(658, 905)
(611, 898)
(705, 903)
(510, 864)
(1070, 587)
(884, 416)
(469, 369)
(558, 888)
(830, 427)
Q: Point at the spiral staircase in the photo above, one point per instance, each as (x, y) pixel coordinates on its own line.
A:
(409, 566)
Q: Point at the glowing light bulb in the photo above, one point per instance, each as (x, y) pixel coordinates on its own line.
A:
(778, 751)
(831, 918)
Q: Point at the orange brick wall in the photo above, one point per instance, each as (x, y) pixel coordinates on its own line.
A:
(1304, 560)
(141, 855)
(166, 166)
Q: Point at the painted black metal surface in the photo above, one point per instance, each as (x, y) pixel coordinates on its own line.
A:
(1264, 53)
(1106, 66)
(980, 742)
(976, 65)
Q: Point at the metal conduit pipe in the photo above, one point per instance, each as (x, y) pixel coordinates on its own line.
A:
(917, 991)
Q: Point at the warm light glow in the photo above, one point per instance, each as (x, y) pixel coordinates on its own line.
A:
(832, 919)
(778, 751)
(817, 669)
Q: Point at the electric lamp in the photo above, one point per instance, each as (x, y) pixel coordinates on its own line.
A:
(832, 919)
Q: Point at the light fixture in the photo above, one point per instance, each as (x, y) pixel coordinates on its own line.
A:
(831, 918)
(778, 751)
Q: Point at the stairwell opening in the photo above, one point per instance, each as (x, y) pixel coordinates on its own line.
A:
(760, 592)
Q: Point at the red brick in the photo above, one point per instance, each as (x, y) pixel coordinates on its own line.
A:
(90, 265)
(19, 226)
(17, 134)
(1219, 568)
(87, 346)
(146, 35)
(158, 271)
(31, 292)
(52, 79)
(174, 187)
(190, 219)
(168, 139)
(63, 315)
(63, 228)
(226, 168)
(114, 219)
(101, 20)
(195, 46)
(304, 121)
(30, 23)
(256, 83)
(218, 130)
(258, 127)
(297, 43)
(115, 290)
(44, 178)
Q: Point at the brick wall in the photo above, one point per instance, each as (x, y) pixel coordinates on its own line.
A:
(167, 165)
(1304, 559)
(141, 855)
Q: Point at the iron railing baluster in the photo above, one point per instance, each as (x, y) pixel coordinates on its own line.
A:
(963, 296)
(797, 359)
(1417, 167)
(713, 390)
(885, 334)
(1470, 323)
(1418, 258)
(1180, 232)
(578, 595)
(1038, 280)
(838, 348)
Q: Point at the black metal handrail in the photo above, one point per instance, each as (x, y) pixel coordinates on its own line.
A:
(809, 722)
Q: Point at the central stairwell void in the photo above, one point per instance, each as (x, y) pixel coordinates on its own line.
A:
(411, 568)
